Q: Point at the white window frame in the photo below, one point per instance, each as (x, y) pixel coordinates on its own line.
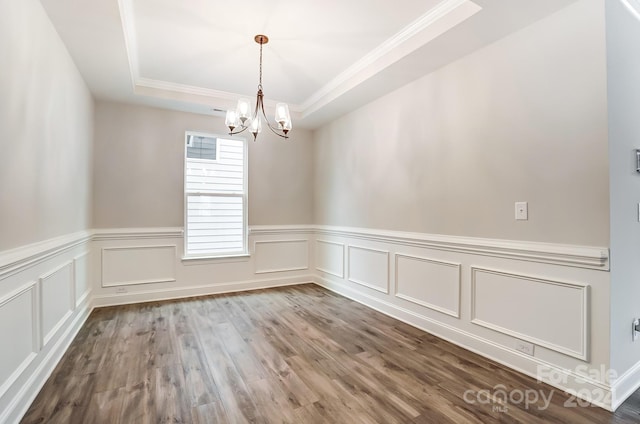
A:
(239, 255)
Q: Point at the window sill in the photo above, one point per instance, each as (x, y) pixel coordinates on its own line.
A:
(205, 260)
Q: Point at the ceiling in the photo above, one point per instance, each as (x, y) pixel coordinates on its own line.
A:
(323, 58)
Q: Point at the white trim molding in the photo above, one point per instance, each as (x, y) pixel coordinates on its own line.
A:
(559, 254)
(573, 274)
(551, 253)
(433, 23)
(15, 260)
(45, 273)
(413, 290)
(268, 230)
(102, 300)
(436, 21)
(625, 385)
(137, 233)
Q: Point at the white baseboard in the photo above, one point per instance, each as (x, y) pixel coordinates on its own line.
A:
(28, 392)
(573, 383)
(625, 385)
(191, 291)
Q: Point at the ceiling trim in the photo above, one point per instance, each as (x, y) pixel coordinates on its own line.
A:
(200, 91)
(448, 14)
(130, 40)
(438, 20)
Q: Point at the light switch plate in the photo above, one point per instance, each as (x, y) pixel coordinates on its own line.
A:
(522, 211)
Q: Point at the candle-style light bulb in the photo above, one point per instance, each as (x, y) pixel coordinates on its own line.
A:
(243, 110)
(231, 120)
(256, 127)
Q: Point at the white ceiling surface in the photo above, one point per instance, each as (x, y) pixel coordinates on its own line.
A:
(323, 58)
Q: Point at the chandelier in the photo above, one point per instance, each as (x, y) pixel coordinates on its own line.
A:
(242, 119)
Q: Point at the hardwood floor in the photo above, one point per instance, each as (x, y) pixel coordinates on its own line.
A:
(297, 354)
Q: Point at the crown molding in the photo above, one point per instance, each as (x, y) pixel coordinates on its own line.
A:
(448, 14)
(427, 27)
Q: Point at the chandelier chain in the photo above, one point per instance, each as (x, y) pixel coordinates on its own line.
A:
(260, 83)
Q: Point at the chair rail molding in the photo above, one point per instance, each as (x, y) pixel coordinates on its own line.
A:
(265, 230)
(15, 260)
(561, 254)
(103, 234)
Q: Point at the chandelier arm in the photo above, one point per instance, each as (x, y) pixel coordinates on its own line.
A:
(276, 131)
(244, 128)
(259, 100)
(273, 130)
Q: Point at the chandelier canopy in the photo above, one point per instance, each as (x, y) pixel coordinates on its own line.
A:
(242, 118)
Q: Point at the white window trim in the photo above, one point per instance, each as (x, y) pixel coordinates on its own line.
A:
(224, 257)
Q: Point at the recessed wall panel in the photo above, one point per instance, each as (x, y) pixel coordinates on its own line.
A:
(546, 312)
(123, 266)
(429, 283)
(330, 257)
(17, 327)
(57, 299)
(369, 268)
(281, 255)
(81, 276)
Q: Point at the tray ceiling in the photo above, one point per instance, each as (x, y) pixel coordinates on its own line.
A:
(323, 58)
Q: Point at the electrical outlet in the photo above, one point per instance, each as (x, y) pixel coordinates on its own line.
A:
(121, 290)
(524, 347)
(522, 211)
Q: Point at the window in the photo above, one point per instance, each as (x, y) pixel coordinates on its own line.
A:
(215, 187)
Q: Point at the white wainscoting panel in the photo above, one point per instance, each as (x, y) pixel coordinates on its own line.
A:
(38, 314)
(57, 299)
(549, 313)
(18, 332)
(81, 277)
(130, 265)
(369, 267)
(330, 257)
(281, 255)
(430, 283)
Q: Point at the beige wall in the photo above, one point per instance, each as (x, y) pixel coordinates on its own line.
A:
(523, 119)
(139, 165)
(45, 131)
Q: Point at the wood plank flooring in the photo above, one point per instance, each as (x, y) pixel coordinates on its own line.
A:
(297, 354)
